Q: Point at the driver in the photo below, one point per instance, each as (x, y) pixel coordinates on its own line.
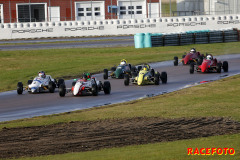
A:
(86, 77)
(41, 74)
(145, 67)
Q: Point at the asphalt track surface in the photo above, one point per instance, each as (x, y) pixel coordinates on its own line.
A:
(14, 106)
(96, 42)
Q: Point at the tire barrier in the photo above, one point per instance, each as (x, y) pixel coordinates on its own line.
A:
(191, 37)
(157, 40)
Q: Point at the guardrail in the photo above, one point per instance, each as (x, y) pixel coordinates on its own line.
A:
(146, 40)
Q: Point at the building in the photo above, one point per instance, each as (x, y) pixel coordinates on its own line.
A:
(12, 11)
(207, 7)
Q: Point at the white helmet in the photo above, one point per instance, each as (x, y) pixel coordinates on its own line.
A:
(209, 57)
(123, 63)
(42, 74)
(193, 50)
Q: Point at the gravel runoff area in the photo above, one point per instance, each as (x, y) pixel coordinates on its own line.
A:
(95, 135)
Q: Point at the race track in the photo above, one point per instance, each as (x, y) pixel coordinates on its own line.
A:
(15, 106)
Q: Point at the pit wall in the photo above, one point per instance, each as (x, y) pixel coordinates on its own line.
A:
(116, 27)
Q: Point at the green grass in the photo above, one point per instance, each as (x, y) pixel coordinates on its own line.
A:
(176, 150)
(23, 65)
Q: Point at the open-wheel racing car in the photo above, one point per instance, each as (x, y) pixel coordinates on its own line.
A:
(86, 85)
(210, 64)
(146, 76)
(192, 57)
(41, 83)
(118, 72)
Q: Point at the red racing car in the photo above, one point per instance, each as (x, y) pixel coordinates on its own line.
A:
(210, 65)
(192, 57)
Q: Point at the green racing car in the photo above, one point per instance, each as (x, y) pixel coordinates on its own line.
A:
(120, 71)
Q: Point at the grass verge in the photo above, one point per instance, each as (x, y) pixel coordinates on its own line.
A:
(23, 65)
(176, 150)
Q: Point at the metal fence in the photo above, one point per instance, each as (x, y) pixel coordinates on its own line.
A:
(207, 7)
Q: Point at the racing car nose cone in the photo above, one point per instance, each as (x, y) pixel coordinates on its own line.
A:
(186, 59)
(76, 89)
(118, 73)
(139, 81)
(204, 67)
(33, 90)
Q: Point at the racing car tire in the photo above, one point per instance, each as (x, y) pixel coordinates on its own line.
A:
(164, 77)
(126, 79)
(130, 66)
(107, 87)
(225, 66)
(113, 69)
(62, 90)
(156, 79)
(60, 81)
(29, 82)
(94, 90)
(175, 62)
(219, 67)
(19, 88)
(105, 74)
(51, 87)
(191, 68)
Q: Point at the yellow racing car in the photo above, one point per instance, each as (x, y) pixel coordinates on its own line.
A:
(146, 76)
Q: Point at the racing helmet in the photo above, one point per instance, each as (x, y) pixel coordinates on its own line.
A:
(145, 68)
(41, 74)
(123, 62)
(209, 57)
(193, 50)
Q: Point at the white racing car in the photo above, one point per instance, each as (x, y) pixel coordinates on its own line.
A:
(87, 85)
(39, 84)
